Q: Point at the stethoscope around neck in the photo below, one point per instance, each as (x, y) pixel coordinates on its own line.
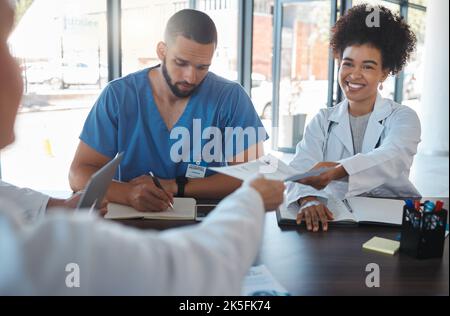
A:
(331, 125)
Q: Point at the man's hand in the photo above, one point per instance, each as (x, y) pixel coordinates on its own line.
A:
(71, 203)
(314, 214)
(169, 186)
(145, 196)
(270, 191)
(68, 204)
(321, 181)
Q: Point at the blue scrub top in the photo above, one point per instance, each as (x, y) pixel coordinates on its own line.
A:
(125, 118)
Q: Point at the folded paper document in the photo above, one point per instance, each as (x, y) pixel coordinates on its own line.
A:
(352, 211)
(183, 209)
(271, 167)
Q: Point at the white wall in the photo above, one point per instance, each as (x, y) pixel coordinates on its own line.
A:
(435, 98)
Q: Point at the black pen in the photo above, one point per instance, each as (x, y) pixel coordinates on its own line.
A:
(158, 184)
(348, 205)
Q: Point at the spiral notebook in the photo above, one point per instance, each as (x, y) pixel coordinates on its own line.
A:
(353, 211)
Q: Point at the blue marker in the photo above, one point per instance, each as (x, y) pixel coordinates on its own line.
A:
(428, 207)
(409, 204)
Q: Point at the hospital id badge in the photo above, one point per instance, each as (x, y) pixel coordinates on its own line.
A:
(195, 171)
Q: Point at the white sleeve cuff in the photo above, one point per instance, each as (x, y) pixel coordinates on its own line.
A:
(296, 191)
(32, 203)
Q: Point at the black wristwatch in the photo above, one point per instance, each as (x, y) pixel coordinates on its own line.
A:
(181, 183)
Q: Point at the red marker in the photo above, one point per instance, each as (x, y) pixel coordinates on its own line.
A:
(439, 206)
(417, 205)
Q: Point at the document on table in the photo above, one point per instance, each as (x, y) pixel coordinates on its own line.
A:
(260, 282)
(271, 167)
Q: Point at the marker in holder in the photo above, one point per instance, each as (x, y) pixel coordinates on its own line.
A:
(423, 233)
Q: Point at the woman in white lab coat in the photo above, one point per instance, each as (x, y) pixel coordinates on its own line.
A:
(368, 142)
(85, 255)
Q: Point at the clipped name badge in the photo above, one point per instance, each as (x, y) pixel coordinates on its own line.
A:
(195, 171)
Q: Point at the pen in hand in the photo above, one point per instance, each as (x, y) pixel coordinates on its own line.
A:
(158, 184)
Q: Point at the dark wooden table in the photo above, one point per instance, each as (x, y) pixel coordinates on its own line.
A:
(334, 263)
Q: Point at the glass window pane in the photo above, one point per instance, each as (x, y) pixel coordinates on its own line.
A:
(419, 2)
(391, 6)
(304, 67)
(337, 93)
(224, 13)
(61, 47)
(262, 62)
(413, 80)
(143, 25)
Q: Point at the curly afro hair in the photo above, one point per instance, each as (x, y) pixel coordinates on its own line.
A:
(394, 37)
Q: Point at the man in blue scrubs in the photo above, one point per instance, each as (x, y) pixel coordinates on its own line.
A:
(175, 120)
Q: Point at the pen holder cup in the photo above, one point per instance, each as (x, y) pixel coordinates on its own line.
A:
(423, 234)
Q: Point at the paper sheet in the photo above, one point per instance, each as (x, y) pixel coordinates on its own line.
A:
(377, 210)
(271, 167)
(260, 282)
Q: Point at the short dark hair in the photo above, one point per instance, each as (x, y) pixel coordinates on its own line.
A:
(394, 37)
(192, 24)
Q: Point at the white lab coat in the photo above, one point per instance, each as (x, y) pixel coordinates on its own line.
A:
(211, 258)
(381, 171)
(32, 204)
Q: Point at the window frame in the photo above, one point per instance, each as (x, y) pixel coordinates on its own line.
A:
(245, 27)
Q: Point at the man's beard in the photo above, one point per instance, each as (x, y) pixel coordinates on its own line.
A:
(173, 87)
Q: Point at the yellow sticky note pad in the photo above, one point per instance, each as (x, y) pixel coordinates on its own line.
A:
(383, 245)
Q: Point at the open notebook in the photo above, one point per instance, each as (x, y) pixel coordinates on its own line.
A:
(184, 209)
(353, 211)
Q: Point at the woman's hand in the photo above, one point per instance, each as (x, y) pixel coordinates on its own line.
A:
(313, 212)
(321, 181)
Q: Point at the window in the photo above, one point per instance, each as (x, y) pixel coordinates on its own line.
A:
(304, 59)
(224, 13)
(413, 73)
(143, 25)
(262, 86)
(61, 47)
(419, 2)
(391, 6)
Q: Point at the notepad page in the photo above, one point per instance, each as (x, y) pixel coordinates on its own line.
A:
(377, 210)
(118, 211)
(339, 210)
(382, 245)
(289, 213)
(184, 209)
